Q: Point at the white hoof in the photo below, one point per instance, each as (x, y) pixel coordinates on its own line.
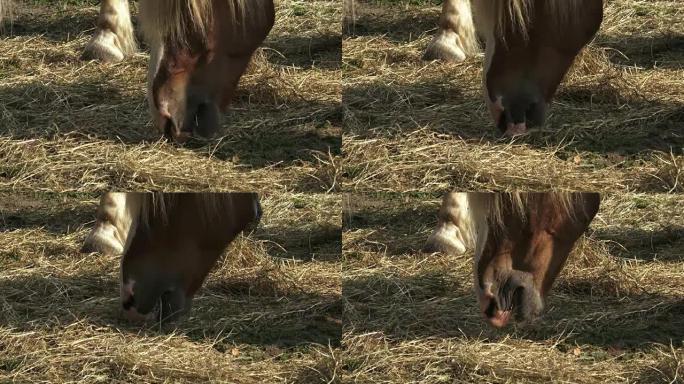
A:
(103, 239)
(445, 47)
(104, 46)
(446, 239)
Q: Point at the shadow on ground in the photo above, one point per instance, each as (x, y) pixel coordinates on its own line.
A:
(432, 305)
(320, 243)
(251, 312)
(634, 243)
(323, 51)
(663, 51)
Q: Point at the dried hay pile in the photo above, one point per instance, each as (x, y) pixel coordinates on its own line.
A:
(617, 311)
(71, 130)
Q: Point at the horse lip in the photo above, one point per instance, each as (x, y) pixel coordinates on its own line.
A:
(500, 318)
(182, 137)
(134, 316)
(169, 128)
(173, 133)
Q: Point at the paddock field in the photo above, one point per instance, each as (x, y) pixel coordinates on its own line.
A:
(71, 130)
(71, 126)
(617, 123)
(270, 311)
(414, 130)
(615, 314)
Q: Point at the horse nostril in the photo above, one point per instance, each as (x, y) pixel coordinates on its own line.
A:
(206, 120)
(502, 124)
(491, 309)
(169, 129)
(128, 304)
(535, 114)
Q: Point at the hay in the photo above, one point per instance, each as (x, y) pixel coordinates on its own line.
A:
(616, 124)
(615, 313)
(70, 130)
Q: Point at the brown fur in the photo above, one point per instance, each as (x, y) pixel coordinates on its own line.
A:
(179, 239)
(531, 45)
(155, 207)
(516, 14)
(204, 46)
(525, 246)
(521, 243)
(174, 21)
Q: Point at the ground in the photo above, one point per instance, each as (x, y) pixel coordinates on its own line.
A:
(272, 310)
(414, 130)
(71, 130)
(616, 313)
(615, 125)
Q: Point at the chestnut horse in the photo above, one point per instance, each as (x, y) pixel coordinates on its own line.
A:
(169, 243)
(529, 47)
(521, 243)
(199, 51)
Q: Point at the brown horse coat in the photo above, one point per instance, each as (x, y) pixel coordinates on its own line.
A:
(176, 242)
(521, 242)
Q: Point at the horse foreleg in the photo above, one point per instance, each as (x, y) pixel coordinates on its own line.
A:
(453, 234)
(455, 38)
(113, 39)
(116, 216)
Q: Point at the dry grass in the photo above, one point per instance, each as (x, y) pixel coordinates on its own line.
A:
(616, 313)
(70, 130)
(69, 125)
(616, 125)
(270, 310)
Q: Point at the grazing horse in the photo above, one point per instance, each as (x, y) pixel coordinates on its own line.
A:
(199, 51)
(169, 243)
(529, 47)
(521, 243)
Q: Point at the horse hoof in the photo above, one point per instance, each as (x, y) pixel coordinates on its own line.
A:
(442, 244)
(444, 49)
(103, 47)
(101, 243)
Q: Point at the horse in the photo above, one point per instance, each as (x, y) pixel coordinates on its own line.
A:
(521, 243)
(168, 244)
(199, 50)
(529, 47)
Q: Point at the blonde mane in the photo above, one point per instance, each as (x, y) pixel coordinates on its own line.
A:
(176, 21)
(498, 14)
(497, 205)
